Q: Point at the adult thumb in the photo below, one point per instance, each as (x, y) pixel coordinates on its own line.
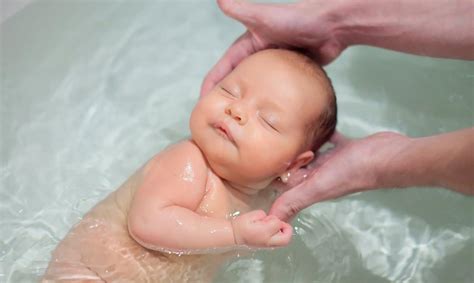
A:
(250, 13)
(240, 10)
(286, 206)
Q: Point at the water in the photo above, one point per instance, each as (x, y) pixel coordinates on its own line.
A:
(91, 89)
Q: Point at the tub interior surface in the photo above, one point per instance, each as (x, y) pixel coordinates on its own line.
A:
(90, 90)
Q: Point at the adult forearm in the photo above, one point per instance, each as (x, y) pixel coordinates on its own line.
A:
(438, 28)
(445, 160)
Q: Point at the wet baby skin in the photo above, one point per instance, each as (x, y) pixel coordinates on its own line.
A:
(203, 197)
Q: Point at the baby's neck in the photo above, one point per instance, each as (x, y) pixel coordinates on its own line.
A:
(240, 189)
(246, 197)
(249, 197)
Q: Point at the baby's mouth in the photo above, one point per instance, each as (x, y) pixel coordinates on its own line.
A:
(223, 130)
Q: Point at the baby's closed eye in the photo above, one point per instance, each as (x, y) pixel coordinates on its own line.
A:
(269, 120)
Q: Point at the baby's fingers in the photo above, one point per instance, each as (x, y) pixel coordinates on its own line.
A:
(255, 215)
(239, 50)
(272, 224)
(282, 237)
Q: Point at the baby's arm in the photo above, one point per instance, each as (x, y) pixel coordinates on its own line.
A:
(162, 215)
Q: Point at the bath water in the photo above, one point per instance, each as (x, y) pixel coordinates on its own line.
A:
(90, 90)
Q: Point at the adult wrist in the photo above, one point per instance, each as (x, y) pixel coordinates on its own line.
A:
(338, 16)
(347, 20)
(365, 22)
(409, 163)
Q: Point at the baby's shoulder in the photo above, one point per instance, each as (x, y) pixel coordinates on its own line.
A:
(184, 150)
(182, 159)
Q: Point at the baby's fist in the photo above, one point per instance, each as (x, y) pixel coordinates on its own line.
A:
(257, 229)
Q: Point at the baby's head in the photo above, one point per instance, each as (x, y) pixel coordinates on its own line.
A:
(265, 119)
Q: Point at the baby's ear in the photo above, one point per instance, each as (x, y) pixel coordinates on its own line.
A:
(296, 172)
(301, 160)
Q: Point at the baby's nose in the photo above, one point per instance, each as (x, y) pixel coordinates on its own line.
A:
(237, 113)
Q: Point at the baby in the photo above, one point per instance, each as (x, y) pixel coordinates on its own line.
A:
(259, 125)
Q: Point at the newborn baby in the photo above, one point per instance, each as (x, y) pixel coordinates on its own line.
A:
(259, 125)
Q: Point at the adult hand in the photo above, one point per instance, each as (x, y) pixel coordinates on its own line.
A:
(304, 25)
(350, 166)
(382, 160)
(325, 28)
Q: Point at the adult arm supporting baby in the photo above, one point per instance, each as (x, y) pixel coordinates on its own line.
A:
(384, 160)
(445, 160)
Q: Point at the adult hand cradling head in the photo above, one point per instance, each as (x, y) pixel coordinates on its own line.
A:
(323, 29)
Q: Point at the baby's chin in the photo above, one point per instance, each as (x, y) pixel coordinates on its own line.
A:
(199, 142)
(228, 171)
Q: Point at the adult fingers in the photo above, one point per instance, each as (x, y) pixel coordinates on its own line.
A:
(327, 52)
(291, 202)
(338, 139)
(244, 46)
(250, 13)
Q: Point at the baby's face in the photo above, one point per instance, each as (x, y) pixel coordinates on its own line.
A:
(253, 124)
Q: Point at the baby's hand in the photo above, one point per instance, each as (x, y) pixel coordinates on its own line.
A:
(256, 229)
